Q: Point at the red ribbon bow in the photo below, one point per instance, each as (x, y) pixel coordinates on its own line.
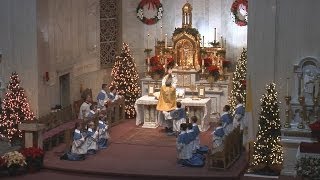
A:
(150, 3)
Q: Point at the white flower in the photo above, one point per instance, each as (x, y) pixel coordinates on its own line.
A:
(159, 15)
(160, 9)
(140, 14)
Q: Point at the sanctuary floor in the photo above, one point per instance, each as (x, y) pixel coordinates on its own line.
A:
(139, 153)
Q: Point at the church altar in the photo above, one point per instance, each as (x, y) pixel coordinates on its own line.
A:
(148, 115)
(191, 61)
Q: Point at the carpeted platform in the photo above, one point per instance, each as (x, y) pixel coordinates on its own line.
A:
(139, 152)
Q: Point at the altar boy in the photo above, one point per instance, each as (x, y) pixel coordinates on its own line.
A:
(179, 116)
(239, 114)
(103, 133)
(92, 138)
(226, 119)
(217, 138)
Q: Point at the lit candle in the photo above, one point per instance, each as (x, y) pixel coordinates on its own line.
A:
(161, 33)
(225, 43)
(215, 34)
(148, 41)
(166, 41)
(203, 41)
(202, 66)
(148, 64)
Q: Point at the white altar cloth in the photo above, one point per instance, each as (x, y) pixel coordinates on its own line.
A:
(204, 104)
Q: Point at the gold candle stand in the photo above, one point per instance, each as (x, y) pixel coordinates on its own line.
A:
(302, 113)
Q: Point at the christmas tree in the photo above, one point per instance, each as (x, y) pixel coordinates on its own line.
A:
(239, 81)
(125, 78)
(15, 109)
(267, 149)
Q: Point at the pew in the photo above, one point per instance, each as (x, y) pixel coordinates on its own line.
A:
(222, 160)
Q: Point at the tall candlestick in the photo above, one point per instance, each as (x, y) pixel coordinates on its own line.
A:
(148, 41)
(161, 33)
(221, 40)
(287, 86)
(202, 62)
(225, 43)
(148, 64)
(203, 41)
(166, 41)
(215, 34)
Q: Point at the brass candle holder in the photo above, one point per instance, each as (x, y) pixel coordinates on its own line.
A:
(288, 112)
(302, 113)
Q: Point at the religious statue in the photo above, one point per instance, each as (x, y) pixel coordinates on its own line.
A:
(309, 79)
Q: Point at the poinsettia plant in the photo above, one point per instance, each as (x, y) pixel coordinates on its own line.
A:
(226, 64)
(214, 71)
(32, 152)
(170, 62)
(159, 69)
(14, 158)
(155, 61)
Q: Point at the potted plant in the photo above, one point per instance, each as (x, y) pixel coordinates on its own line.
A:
(157, 72)
(34, 158)
(213, 70)
(308, 167)
(14, 162)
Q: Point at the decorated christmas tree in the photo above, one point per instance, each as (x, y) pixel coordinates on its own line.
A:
(125, 78)
(267, 150)
(15, 110)
(239, 81)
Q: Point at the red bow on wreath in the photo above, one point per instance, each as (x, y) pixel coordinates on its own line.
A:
(150, 3)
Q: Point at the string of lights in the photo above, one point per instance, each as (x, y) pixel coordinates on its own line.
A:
(125, 78)
(15, 109)
(267, 149)
(239, 81)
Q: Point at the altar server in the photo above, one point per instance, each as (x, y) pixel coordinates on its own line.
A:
(185, 158)
(217, 138)
(91, 139)
(102, 97)
(103, 133)
(179, 117)
(78, 149)
(239, 114)
(226, 119)
(85, 107)
(197, 147)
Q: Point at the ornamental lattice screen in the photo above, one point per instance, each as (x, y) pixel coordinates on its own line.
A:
(109, 31)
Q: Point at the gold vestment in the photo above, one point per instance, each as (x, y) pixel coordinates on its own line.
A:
(167, 99)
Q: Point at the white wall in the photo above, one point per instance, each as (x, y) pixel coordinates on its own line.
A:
(207, 15)
(18, 42)
(68, 42)
(280, 34)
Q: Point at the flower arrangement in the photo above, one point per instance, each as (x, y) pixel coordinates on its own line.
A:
(154, 61)
(158, 69)
(34, 158)
(226, 64)
(14, 158)
(308, 167)
(214, 71)
(154, 4)
(207, 62)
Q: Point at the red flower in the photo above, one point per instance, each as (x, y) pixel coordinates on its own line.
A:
(214, 71)
(170, 62)
(154, 61)
(315, 126)
(32, 152)
(226, 64)
(158, 69)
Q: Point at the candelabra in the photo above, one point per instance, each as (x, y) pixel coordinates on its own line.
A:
(288, 112)
(302, 113)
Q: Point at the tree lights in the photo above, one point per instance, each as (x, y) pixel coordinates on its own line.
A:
(267, 149)
(125, 78)
(15, 109)
(239, 81)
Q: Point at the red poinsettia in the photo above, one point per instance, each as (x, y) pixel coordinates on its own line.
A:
(159, 69)
(32, 152)
(214, 71)
(226, 64)
(155, 61)
(170, 62)
(234, 10)
(315, 126)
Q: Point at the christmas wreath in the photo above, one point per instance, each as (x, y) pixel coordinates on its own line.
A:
(239, 9)
(154, 4)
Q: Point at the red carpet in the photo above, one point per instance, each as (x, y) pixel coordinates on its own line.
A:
(129, 155)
